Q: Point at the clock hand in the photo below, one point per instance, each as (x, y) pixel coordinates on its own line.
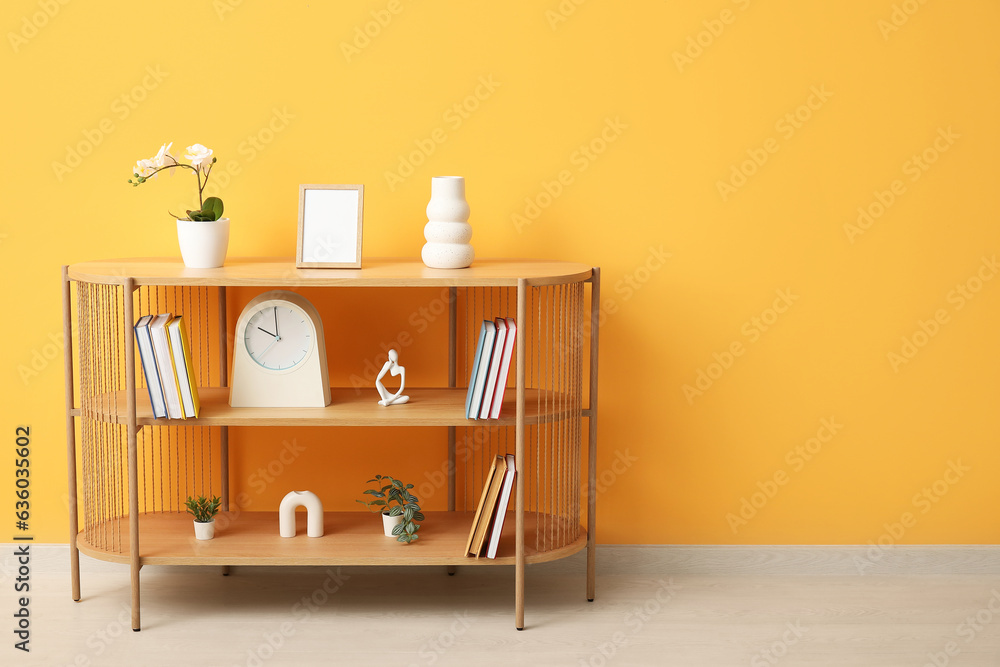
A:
(268, 332)
(276, 339)
(275, 320)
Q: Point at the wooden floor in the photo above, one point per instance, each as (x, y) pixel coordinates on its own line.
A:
(654, 606)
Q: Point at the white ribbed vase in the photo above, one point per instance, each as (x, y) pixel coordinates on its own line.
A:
(447, 231)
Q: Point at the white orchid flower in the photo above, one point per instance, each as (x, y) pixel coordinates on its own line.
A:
(163, 158)
(200, 156)
(143, 168)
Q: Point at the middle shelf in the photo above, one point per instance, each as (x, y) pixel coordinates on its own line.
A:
(348, 407)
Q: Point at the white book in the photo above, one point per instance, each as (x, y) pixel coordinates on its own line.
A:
(165, 365)
(489, 334)
(502, 503)
(148, 359)
(508, 353)
(491, 375)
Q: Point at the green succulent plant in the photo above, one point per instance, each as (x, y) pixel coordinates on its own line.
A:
(203, 509)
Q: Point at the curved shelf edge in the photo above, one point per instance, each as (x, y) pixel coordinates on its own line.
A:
(427, 407)
(351, 538)
(282, 272)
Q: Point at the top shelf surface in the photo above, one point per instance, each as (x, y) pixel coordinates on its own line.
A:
(281, 272)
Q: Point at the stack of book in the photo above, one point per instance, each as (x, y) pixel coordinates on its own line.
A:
(484, 537)
(490, 368)
(166, 363)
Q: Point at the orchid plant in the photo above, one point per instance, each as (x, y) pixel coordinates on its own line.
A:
(202, 161)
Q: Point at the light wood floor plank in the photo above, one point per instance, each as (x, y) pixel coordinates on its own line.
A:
(655, 606)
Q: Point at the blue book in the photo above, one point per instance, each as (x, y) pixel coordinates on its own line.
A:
(474, 399)
(145, 343)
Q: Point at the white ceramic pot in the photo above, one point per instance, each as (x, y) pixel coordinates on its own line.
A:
(390, 522)
(203, 244)
(447, 231)
(204, 531)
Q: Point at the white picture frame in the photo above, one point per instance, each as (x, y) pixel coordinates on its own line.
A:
(330, 223)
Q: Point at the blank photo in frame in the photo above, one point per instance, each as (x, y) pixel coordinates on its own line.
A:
(329, 226)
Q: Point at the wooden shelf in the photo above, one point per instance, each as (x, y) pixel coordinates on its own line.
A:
(376, 272)
(350, 538)
(427, 407)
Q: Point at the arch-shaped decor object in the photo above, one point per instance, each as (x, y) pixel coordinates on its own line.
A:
(314, 513)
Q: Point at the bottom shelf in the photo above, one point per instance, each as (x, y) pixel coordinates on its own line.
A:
(350, 538)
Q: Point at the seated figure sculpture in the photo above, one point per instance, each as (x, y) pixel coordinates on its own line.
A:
(393, 368)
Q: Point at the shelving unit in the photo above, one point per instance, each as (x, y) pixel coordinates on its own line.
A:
(128, 472)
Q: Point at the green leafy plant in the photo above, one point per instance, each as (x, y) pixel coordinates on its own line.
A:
(393, 497)
(201, 164)
(203, 509)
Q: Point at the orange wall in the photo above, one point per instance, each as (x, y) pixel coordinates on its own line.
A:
(714, 159)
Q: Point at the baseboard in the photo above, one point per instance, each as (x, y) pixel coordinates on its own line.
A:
(660, 560)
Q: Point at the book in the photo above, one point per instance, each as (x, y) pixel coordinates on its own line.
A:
(148, 360)
(183, 368)
(165, 365)
(491, 374)
(508, 483)
(480, 367)
(486, 519)
(504, 371)
(482, 504)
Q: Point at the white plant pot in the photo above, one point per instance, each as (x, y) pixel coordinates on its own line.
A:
(204, 531)
(447, 231)
(203, 244)
(390, 522)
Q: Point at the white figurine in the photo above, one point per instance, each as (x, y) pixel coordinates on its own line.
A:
(393, 368)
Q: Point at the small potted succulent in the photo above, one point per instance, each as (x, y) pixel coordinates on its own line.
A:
(203, 234)
(204, 511)
(398, 506)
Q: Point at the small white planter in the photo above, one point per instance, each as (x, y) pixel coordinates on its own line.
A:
(204, 531)
(203, 243)
(390, 522)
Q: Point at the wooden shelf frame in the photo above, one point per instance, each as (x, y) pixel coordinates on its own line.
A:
(105, 402)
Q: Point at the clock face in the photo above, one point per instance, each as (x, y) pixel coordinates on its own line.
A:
(278, 336)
